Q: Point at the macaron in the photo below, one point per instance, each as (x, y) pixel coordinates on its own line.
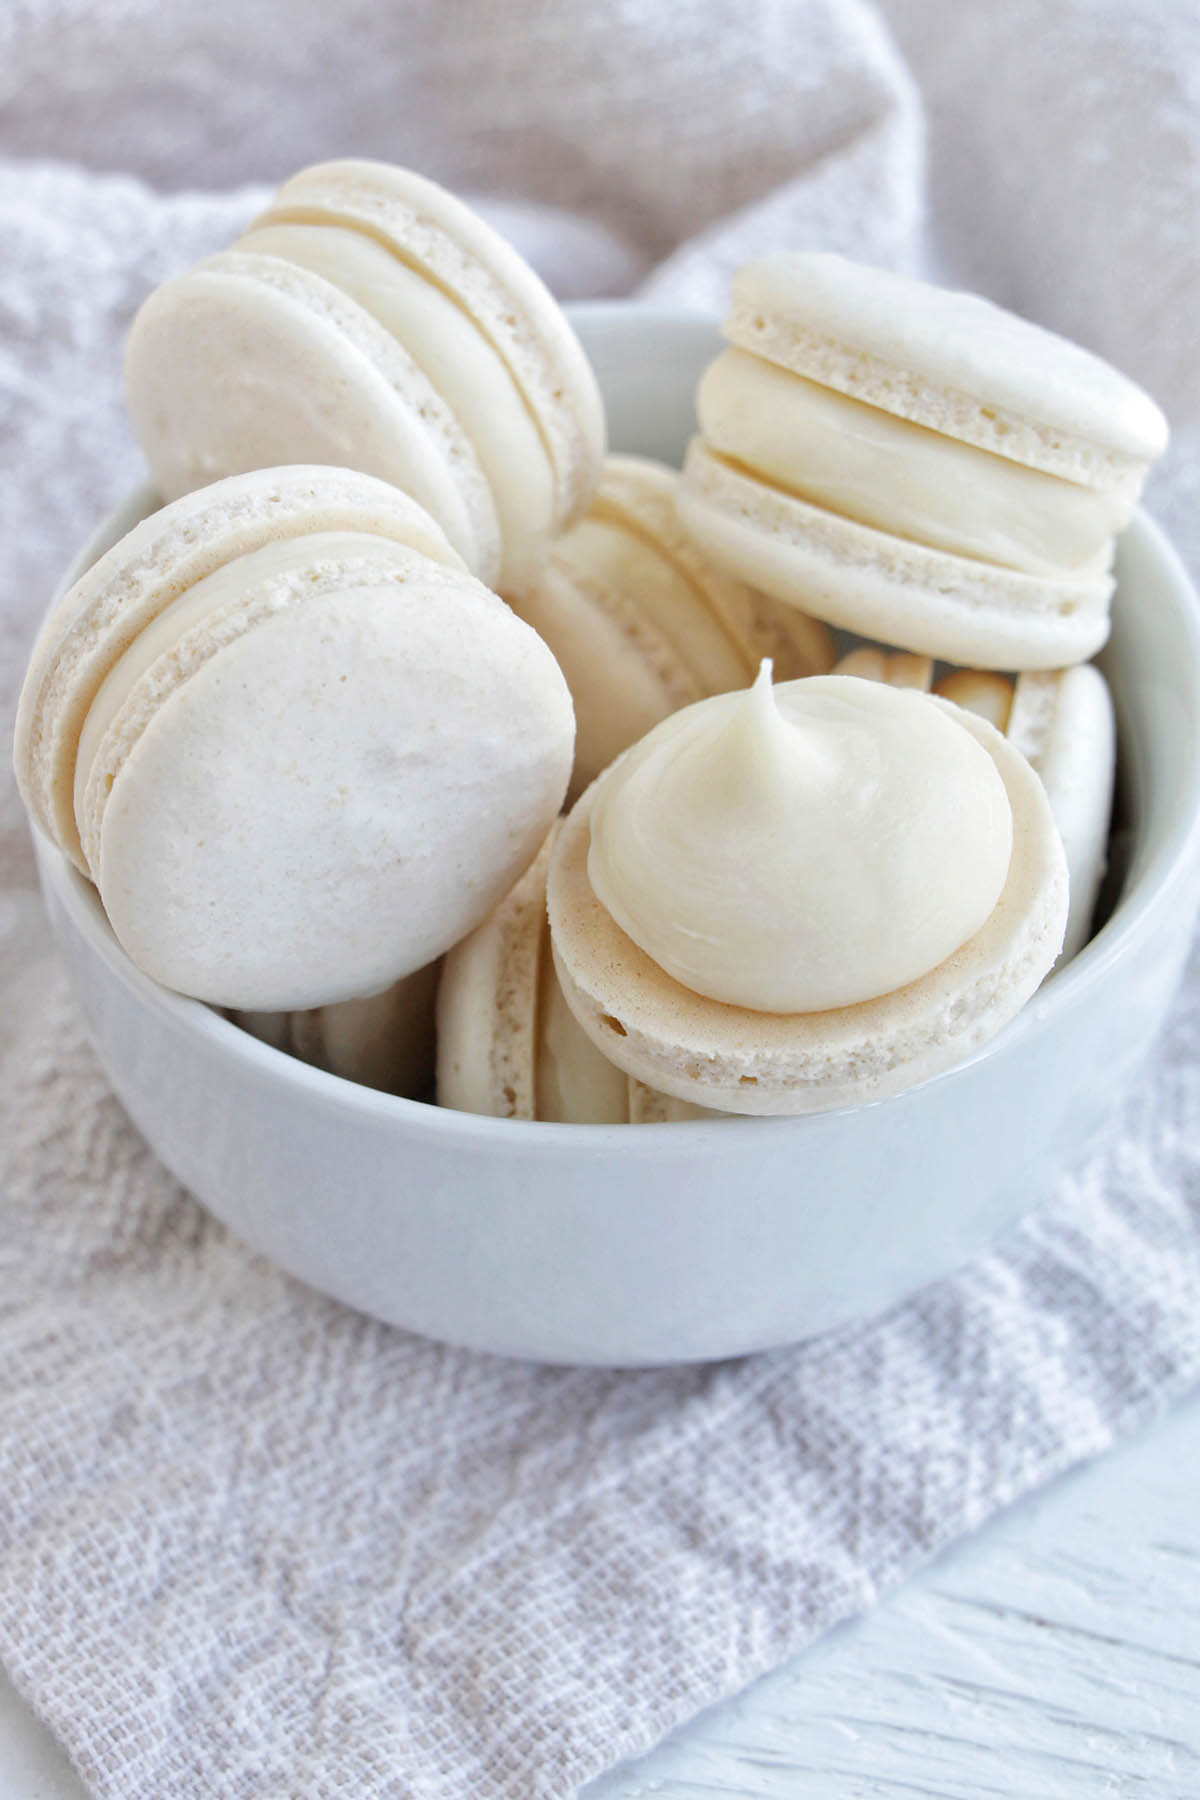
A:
(508, 1045)
(1062, 722)
(371, 319)
(812, 896)
(298, 748)
(383, 1040)
(916, 465)
(642, 622)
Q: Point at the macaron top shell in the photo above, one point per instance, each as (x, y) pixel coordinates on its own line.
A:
(436, 232)
(368, 318)
(335, 796)
(98, 619)
(458, 362)
(210, 617)
(952, 361)
(249, 362)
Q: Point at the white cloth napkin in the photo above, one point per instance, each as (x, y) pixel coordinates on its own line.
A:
(251, 1544)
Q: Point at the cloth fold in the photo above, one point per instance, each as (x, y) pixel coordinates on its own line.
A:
(252, 1544)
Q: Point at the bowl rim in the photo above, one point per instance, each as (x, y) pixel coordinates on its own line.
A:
(1132, 917)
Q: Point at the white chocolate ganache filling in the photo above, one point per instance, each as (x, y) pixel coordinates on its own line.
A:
(885, 472)
(803, 847)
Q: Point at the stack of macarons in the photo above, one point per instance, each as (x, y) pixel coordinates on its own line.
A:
(383, 1040)
(306, 750)
(507, 1043)
(916, 465)
(370, 318)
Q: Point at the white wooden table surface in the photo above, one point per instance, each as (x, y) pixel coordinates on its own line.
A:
(1055, 1655)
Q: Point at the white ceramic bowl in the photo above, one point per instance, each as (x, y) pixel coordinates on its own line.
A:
(658, 1243)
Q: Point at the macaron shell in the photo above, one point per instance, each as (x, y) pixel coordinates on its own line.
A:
(901, 478)
(334, 798)
(131, 584)
(487, 1005)
(952, 361)
(633, 574)
(886, 587)
(648, 1107)
(273, 1028)
(383, 1040)
(248, 362)
(1064, 723)
(642, 495)
(575, 1083)
(738, 1061)
(507, 1045)
(458, 361)
(499, 1001)
(622, 672)
(428, 227)
(212, 615)
(897, 669)
(989, 695)
(643, 624)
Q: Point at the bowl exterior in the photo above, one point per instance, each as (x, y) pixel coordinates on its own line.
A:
(678, 1242)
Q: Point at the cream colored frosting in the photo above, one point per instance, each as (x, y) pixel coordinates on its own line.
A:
(954, 360)
(451, 350)
(902, 478)
(802, 847)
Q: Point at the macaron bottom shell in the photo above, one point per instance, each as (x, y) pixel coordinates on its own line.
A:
(884, 587)
(735, 1060)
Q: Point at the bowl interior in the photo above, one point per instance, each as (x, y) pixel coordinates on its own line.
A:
(648, 360)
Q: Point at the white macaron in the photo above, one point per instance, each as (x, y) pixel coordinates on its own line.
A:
(299, 749)
(916, 465)
(508, 1045)
(1062, 722)
(383, 1040)
(642, 622)
(806, 897)
(371, 319)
